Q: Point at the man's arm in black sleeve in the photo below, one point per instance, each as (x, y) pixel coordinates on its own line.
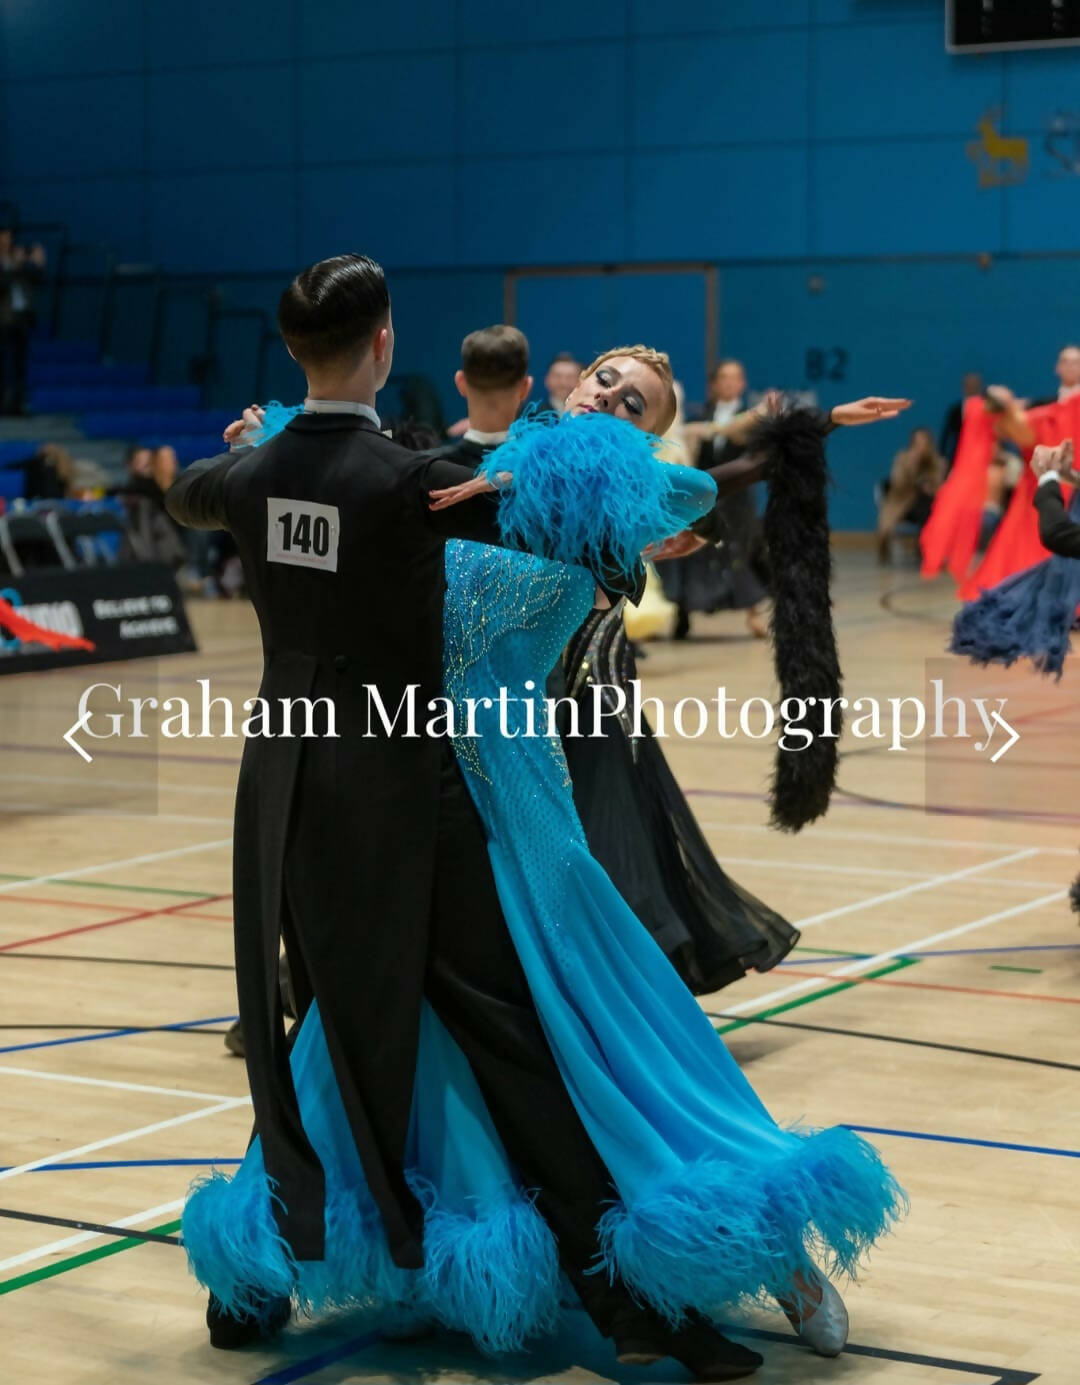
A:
(476, 518)
(730, 477)
(741, 472)
(197, 497)
(1057, 532)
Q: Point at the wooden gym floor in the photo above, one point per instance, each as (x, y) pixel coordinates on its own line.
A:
(932, 1004)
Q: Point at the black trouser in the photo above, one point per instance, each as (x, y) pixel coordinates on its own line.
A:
(475, 983)
(14, 353)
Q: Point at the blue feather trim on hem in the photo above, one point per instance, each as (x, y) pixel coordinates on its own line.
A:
(493, 1273)
(712, 1239)
(708, 1240)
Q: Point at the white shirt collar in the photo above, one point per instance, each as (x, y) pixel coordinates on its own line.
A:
(485, 439)
(726, 409)
(342, 406)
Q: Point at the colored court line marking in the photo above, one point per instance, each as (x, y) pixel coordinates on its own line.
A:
(104, 885)
(214, 918)
(116, 1034)
(996, 1375)
(821, 961)
(126, 1136)
(965, 1140)
(43, 1075)
(978, 951)
(1032, 971)
(828, 951)
(931, 882)
(828, 955)
(99, 1228)
(1001, 1375)
(148, 858)
(102, 923)
(114, 961)
(899, 964)
(87, 1257)
(914, 1043)
(848, 798)
(311, 1364)
(873, 979)
(140, 1163)
(758, 1003)
(836, 834)
(64, 903)
(26, 1026)
(179, 756)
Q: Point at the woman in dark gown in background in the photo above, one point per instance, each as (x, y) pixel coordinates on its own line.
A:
(732, 575)
(638, 824)
(642, 830)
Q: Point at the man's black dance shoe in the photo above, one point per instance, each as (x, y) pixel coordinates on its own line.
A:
(700, 1348)
(229, 1333)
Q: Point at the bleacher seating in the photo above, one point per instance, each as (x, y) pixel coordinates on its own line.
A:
(43, 349)
(159, 423)
(85, 374)
(83, 399)
(189, 448)
(95, 408)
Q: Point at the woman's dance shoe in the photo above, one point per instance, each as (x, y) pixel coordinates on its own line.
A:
(700, 1348)
(822, 1324)
(229, 1333)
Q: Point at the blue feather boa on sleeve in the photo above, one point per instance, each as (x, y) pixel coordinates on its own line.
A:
(276, 417)
(588, 489)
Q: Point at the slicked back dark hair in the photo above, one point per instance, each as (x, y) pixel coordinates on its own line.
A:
(333, 309)
(494, 358)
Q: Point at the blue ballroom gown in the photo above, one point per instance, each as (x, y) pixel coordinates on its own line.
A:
(714, 1204)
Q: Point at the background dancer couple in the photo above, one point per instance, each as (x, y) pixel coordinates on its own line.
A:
(496, 1073)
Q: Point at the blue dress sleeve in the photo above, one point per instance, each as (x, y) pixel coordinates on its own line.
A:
(592, 490)
(693, 492)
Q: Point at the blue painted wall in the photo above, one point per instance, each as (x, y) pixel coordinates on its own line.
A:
(453, 137)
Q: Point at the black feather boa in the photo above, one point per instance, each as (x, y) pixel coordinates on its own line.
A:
(804, 641)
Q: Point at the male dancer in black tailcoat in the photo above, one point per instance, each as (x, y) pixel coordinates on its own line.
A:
(494, 380)
(364, 853)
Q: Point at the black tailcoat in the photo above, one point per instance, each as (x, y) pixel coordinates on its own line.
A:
(362, 850)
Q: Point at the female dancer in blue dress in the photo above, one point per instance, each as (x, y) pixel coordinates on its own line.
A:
(714, 1203)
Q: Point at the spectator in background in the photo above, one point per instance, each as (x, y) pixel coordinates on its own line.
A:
(562, 375)
(20, 270)
(164, 466)
(954, 418)
(50, 473)
(917, 473)
(494, 381)
(138, 472)
(152, 534)
(734, 575)
(1067, 371)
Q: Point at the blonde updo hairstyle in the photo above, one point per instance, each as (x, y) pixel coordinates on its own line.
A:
(659, 363)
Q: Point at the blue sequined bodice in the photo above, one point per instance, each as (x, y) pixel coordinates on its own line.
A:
(507, 617)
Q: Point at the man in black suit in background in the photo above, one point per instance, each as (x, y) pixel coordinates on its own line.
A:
(495, 382)
(362, 850)
(562, 375)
